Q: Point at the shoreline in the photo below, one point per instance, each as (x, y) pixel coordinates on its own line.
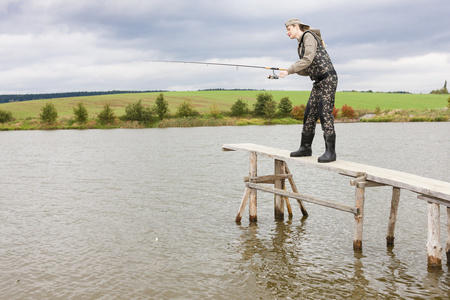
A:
(34, 124)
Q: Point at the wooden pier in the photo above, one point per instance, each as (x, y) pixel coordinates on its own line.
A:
(435, 192)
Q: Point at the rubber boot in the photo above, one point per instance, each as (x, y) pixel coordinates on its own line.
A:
(330, 153)
(305, 146)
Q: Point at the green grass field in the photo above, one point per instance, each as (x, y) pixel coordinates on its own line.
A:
(223, 99)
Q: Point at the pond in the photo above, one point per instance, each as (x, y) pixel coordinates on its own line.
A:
(149, 213)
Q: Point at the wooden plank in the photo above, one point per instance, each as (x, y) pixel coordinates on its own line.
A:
(331, 204)
(421, 185)
(284, 155)
(434, 200)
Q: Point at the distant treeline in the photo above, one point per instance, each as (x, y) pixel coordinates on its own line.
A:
(221, 89)
(27, 97)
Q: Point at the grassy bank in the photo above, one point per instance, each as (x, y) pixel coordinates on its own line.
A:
(387, 107)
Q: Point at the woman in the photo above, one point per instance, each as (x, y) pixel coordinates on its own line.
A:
(315, 63)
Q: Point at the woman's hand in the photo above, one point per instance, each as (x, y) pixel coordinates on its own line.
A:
(283, 74)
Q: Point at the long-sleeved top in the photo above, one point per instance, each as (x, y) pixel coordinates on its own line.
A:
(310, 46)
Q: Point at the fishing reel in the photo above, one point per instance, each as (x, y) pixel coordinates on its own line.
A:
(273, 76)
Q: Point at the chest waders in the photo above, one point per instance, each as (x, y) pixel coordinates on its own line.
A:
(320, 104)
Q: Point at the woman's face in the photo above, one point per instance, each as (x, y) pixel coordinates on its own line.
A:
(294, 32)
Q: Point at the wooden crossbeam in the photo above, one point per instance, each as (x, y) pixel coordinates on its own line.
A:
(267, 178)
(331, 204)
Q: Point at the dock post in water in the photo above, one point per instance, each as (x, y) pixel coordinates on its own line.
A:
(434, 248)
(447, 248)
(393, 217)
(253, 173)
(359, 217)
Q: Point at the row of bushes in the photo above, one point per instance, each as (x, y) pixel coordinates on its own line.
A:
(265, 106)
(133, 112)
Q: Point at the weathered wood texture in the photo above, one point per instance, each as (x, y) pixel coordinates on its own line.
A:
(433, 242)
(415, 183)
(434, 248)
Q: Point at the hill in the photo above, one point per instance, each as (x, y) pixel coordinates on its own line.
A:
(223, 99)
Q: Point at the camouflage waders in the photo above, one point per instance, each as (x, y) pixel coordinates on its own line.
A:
(321, 101)
(320, 104)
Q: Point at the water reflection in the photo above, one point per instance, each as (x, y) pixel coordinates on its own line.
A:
(273, 256)
(361, 283)
(279, 264)
(275, 262)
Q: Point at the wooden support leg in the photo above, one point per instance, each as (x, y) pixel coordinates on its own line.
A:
(393, 216)
(447, 248)
(279, 200)
(253, 172)
(286, 199)
(434, 248)
(295, 190)
(243, 204)
(358, 229)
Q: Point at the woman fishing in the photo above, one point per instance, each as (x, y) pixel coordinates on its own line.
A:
(315, 63)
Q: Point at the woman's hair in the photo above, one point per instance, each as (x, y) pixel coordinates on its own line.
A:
(307, 27)
(304, 27)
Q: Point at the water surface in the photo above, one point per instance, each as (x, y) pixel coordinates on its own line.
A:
(149, 213)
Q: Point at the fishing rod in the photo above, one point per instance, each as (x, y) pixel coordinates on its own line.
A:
(271, 76)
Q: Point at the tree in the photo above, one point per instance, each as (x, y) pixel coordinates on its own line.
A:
(270, 108)
(214, 110)
(298, 112)
(335, 112)
(186, 110)
(347, 111)
(81, 113)
(137, 112)
(261, 100)
(161, 106)
(48, 113)
(5, 116)
(106, 115)
(442, 90)
(285, 105)
(239, 108)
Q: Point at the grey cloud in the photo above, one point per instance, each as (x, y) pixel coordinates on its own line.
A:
(116, 33)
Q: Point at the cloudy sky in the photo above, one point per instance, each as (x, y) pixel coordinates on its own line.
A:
(49, 46)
